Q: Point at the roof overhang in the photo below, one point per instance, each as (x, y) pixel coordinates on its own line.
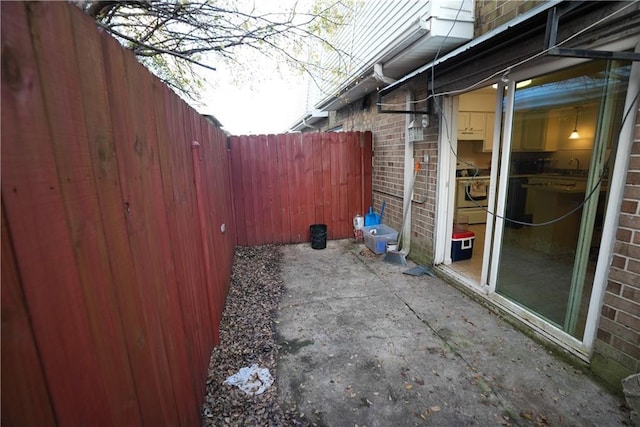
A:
(393, 67)
(522, 41)
(309, 120)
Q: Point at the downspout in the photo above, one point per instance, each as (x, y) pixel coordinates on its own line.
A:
(378, 73)
(408, 177)
(405, 244)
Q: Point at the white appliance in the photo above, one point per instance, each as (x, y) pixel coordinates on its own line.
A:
(471, 199)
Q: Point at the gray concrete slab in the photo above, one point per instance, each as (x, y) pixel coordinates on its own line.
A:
(364, 345)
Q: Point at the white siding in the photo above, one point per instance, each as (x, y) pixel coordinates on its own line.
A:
(379, 30)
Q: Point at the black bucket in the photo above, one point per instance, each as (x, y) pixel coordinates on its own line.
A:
(318, 236)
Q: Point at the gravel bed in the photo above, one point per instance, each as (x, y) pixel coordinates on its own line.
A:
(246, 337)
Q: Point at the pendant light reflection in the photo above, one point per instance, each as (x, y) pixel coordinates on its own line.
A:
(575, 134)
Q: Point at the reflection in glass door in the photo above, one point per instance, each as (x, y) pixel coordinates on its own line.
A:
(564, 126)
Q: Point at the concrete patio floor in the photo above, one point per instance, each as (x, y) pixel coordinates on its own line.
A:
(364, 345)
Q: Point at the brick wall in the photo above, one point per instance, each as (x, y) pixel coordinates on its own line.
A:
(617, 349)
(493, 13)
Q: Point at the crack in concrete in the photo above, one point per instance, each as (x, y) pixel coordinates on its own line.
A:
(506, 406)
(302, 304)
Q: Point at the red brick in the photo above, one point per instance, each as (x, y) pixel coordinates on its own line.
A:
(634, 266)
(629, 320)
(620, 304)
(632, 350)
(634, 163)
(623, 276)
(619, 262)
(614, 288)
(609, 312)
(633, 178)
(632, 294)
(629, 206)
(621, 331)
(604, 336)
(625, 249)
(631, 192)
(624, 235)
(629, 221)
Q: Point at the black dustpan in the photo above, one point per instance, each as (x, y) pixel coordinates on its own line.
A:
(419, 271)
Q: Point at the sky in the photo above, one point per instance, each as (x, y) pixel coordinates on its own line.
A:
(262, 97)
(270, 102)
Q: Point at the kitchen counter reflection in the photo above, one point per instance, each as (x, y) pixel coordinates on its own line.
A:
(559, 188)
(560, 184)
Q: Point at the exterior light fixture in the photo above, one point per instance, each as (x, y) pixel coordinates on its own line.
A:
(575, 134)
(415, 131)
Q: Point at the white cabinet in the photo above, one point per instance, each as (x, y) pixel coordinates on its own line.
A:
(471, 125)
(487, 144)
(531, 132)
(476, 126)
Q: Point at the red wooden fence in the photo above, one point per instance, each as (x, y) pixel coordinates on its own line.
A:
(114, 264)
(282, 184)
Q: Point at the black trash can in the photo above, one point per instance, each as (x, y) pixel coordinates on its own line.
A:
(318, 236)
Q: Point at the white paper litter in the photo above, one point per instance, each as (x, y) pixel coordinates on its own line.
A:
(251, 380)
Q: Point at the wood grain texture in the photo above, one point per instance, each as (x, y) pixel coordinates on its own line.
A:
(283, 184)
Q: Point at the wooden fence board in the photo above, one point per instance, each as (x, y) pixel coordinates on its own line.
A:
(307, 184)
(37, 219)
(178, 182)
(103, 151)
(296, 197)
(209, 163)
(284, 209)
(215, 163)
(251, 200)
(366, 146)
(327, 188)
(237, 182)
(355, 195)
(133, 156)
(275, 192)
(316, 141)
(72, 154)
(25, 398)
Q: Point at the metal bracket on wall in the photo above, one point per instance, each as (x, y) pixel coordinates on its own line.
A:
(550, 39)
(380, 110)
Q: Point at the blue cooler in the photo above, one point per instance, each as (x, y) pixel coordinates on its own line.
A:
(462, 245)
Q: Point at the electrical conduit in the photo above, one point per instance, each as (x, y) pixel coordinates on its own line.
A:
(405, 244)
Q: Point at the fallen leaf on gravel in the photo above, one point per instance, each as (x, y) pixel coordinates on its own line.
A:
(247, 337)
(408, 386)
(527, 414)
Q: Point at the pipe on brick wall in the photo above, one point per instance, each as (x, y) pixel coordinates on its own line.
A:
(408, 177)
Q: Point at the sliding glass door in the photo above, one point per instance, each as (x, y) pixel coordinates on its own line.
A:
(563, 131)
